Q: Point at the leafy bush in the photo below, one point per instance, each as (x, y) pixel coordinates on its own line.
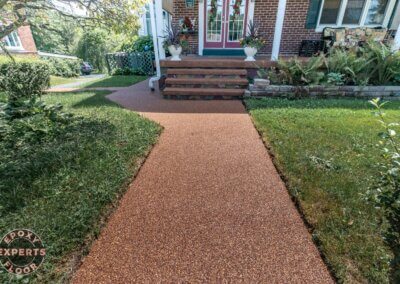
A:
(374, 63)
(24, 78)
(65, 67)
(386, 64)
(296, 72)
(386, 195)
(354, 69)
(335, 79)
(139, 44)
(128, 71)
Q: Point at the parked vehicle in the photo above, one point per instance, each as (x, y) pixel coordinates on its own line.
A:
(86, 68)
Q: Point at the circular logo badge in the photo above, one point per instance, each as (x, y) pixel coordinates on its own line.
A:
(21, 251)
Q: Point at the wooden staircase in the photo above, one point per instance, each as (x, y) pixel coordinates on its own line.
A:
(205, 82)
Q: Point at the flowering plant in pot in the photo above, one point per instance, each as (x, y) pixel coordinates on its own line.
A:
(251, 42)
(174, 42)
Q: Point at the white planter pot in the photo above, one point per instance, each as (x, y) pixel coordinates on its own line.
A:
(175, 52)
(250, 53)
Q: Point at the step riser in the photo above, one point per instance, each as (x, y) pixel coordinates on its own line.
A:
(207, 82)
(204, 72)
(201, 83)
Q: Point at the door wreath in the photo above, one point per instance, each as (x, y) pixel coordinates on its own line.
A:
(213, 10)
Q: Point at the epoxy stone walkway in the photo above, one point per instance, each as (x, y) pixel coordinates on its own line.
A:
(207, 205)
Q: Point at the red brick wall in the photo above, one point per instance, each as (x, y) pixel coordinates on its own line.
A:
(265, 15)
(180, 12)
(294, 30)
(26, 38)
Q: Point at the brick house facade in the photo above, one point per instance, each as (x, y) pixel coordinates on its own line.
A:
(301, 20)
(21, 41)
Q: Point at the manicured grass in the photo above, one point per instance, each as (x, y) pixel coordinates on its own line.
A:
(327, 151)
(70, 183)
(55, 80)
(116, 81)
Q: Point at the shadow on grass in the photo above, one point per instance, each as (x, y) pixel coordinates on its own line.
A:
(97, 100)
(277, 103)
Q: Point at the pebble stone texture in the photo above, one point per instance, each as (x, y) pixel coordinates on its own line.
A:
(207, 206)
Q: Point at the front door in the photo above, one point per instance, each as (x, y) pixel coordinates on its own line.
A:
(225, 23)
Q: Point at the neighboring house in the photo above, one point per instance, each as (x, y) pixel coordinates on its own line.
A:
(20, 41)
(283, 23)
(145, 23)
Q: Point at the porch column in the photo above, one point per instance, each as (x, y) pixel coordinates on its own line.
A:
(201, 26)
(160, 27)
(156, 46)
(396, 42)
(280, 17)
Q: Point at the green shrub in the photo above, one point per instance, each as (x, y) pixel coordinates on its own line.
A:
(296, 72)
(128, 71)
(336, 79)
(385, 63)
(374, 64)
(355, 70)
(65, 67)
(139, 44)
(24, 79)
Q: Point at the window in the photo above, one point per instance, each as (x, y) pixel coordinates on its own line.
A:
(148, 21)
(12, 41)
(337, 13)
(330, 12)
(353, 12)
(376, 12)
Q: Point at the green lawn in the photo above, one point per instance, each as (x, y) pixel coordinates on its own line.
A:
(327, 151)
(115, 81)
(62, 189)
(55, 80)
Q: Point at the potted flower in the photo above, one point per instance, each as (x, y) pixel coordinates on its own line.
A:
(173, 42)
(252, 42)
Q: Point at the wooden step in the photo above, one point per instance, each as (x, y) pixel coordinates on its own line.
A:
(203, 92)
(199, 71)
(230, 63)
(207, 81)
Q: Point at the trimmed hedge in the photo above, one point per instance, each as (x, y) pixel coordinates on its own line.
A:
(23, 79)
(64, 67)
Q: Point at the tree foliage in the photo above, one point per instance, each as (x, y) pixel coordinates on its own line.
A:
(118, 15)
(93, 46)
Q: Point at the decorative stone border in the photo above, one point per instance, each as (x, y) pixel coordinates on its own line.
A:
(262, 88)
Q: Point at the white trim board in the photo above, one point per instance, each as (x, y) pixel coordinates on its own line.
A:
(342, 9)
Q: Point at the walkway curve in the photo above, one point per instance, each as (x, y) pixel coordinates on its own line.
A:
(207, 205)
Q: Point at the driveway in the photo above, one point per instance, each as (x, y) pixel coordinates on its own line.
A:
(207, 205)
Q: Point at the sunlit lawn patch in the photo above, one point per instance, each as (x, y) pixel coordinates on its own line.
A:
(327, 151)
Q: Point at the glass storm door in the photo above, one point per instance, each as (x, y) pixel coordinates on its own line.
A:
(225, 23)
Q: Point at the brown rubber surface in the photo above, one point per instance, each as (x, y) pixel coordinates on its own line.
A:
(206, 206)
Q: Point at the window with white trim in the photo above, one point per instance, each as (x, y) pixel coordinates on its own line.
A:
(355, 13)
(12, 41)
